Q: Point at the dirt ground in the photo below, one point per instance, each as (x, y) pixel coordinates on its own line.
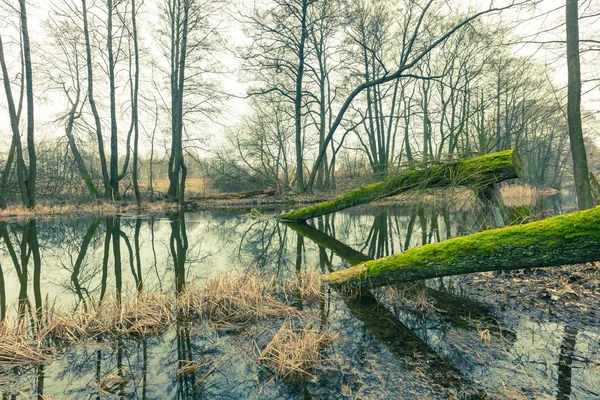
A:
(568, 294)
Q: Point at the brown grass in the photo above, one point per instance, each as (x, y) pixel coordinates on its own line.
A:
(144, 314)
(17, 349)
(99, 208)
(524, 195)
(309, 286)
(409, 297)
(226, 301)
(236, 301)
(295, 351)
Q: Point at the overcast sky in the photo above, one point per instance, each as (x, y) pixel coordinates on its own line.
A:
(549, 13)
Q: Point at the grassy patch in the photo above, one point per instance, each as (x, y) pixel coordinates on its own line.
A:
(224, 303)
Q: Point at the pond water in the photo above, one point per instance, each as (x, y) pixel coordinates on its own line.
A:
(392, 344)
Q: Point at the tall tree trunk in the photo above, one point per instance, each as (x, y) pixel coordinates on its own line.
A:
(580, 166)
(6, 173)
(98, 124)
(298, 101)
(30, 116)
(179, 32)
(14, 124)
(134, 103)
(85, 175)
(114, 144)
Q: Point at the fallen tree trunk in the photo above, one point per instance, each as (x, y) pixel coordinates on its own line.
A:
(457, 311)
(562, 240)
(478, 172)
(237, 195)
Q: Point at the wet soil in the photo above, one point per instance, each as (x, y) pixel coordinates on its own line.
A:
(569, 295)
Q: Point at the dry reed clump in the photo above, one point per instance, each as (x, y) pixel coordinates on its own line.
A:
(309, 286)
(409, 297)
(16, 349)
(87, 321)
(188, 304)
(295, 352)
(523, 195)
(235, 301)
(145, 314)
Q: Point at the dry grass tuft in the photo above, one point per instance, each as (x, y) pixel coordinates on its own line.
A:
(523, 195)
(147, 314)
(409, 297)
(189, 303)
(89, 320)
(144, 314)
(235, 301)
(16, 349)
(309, 286)
(295, 352)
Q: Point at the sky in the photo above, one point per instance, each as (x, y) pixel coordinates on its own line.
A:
(548, 13)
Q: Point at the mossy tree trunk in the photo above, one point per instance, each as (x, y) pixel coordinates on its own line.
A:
(562, 240)
(457, 311)
(476, 172)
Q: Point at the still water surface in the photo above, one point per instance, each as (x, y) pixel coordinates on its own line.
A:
(388, 349)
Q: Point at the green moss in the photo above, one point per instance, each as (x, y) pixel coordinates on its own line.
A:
(529, 239)
(490, 162)
(483, 170)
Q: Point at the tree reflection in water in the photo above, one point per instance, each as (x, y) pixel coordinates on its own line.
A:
(85, 263)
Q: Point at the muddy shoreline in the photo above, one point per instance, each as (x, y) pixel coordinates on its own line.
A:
(568, 295)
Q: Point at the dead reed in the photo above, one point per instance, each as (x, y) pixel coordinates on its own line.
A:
(235, 301)
(410, 297)
(308, 286)
(296, 350)
(17, 349)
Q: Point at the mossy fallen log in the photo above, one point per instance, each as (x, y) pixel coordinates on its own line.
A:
(353, 257)
(566, 239)
(457, 311)
(238, 195)
(476, 172)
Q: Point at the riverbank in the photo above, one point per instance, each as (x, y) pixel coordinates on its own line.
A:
(95, 209)
(568, 295)
(461, 198)
(107, 208)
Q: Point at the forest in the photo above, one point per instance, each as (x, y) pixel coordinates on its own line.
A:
(294, 199)
(104, 99)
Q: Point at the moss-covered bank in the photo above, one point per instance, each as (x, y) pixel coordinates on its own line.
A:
(477, 172)
(567, 239)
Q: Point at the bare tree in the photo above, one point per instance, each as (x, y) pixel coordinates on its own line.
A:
(280, 36)
(580, 166)
(415, 50)
(192, 35)
(66, 74)
(26, 174)
(90, 93)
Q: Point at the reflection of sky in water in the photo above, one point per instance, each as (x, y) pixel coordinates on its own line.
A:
(377, 359)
